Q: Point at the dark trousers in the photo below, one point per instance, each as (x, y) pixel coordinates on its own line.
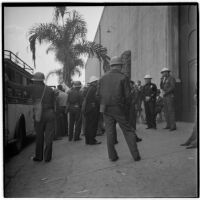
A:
(113, 115)
(169, 110)
(75, 121)
(60, 122)
(91, 126)
(44, 135)
(133, 116)
(101, 128)
(65, 115)
(150, 113)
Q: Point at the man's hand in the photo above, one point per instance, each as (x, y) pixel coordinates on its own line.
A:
(147, 98)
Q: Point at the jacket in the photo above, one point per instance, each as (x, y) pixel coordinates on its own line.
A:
(149, 90)
(167, 84)
(114, 89)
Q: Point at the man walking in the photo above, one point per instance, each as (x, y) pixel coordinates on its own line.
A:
(167, 85)
(114, 91)
(149, 97)
(74, 103)
(45, 127)
(91, 112)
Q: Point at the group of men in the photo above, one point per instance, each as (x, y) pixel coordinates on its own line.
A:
(110, 100)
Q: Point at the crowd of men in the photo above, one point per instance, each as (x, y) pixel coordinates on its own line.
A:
(97, 108)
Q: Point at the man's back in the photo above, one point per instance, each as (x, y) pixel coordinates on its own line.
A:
(114, 88)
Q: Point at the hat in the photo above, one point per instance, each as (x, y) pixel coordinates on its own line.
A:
(116, 61)
(38, 76)
(93, 78)
(165, 69)
(147, 77)
(77, 84)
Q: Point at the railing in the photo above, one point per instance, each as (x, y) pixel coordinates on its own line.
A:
(15, 59)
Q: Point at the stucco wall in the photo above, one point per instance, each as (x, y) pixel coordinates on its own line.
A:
(141, 29)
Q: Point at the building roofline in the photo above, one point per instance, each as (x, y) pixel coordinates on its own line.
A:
(99, 23)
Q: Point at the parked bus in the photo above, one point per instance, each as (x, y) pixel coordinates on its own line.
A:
(18, 105)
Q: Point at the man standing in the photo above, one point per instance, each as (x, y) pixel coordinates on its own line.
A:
(46, 126)
(133, 105)
(149, 97)
(61, 122)
(167, 85)
(91, 112)
(114, 91)
(74, 103)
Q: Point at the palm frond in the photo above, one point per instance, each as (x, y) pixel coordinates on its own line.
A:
(93, 50)
(75, 28)
(43, 32)
(59, 11)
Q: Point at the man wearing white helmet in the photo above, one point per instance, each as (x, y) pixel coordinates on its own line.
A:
(90, 109)
(149, 97)
(167, 85)
(114, 92)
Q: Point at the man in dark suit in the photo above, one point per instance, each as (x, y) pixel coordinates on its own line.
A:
(90, 110)
(167, 85)
(114, 92)
(149, 97)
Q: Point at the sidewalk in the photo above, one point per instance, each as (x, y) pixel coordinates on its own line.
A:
(77, 170)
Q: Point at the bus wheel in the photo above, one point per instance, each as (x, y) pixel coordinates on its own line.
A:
(19, 138)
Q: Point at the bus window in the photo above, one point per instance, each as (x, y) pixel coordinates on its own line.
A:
(11, 74)
(18, 78)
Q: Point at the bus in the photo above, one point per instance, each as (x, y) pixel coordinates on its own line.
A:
(18, 105)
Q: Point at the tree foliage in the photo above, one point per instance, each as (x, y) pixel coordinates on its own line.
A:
(66, 37)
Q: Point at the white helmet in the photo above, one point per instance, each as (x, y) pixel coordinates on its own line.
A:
(93, 78)
(165, 69)
(147, 76)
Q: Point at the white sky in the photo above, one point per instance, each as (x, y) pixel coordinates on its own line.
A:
(18, 21)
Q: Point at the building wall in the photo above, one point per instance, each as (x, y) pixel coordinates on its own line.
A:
(145, 30)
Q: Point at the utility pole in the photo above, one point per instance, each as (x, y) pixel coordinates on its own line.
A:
(100, 44)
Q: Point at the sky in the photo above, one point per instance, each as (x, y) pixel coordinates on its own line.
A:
(18, 21)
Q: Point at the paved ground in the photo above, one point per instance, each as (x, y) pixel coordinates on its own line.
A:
(77, 170)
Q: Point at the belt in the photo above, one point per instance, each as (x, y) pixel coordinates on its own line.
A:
(46, 106)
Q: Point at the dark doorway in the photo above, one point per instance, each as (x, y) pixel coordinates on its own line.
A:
(188, 58)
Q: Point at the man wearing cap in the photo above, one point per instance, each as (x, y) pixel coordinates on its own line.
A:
(46, 126)
(90, 110)
(149, 98)
(167, 85)
(74, 103)
(114, 92)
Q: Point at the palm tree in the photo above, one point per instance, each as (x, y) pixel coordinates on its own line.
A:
(67, 38)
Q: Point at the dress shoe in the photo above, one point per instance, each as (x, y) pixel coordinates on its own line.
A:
(148, 127)
(116, 142)
(172, 129)
(166, 127)
(154, 127)
(58, 138)
(78, 139)
(192, 147)
(115, 159)
(96, 142)
(47, 161)
(138, 139)
(138, 158)
(184, 144)
(36, 159)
